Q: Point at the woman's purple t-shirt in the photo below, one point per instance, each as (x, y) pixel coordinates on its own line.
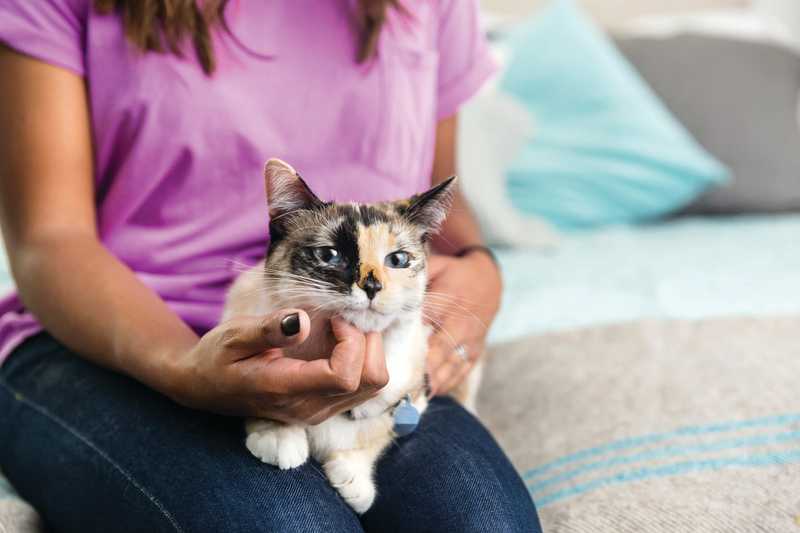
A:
(179, 155)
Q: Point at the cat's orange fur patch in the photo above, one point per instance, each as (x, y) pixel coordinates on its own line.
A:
(374, 242)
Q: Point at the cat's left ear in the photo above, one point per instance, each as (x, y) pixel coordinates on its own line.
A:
(286, 190)
(429, 209)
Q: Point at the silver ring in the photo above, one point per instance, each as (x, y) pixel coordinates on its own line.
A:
(461, 351)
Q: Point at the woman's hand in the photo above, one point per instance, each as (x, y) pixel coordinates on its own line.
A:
(239, 368)
(463, 298)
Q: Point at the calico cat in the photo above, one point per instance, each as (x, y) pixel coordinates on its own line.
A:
(365, 263)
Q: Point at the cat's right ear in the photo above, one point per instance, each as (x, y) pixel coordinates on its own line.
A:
(286, 190)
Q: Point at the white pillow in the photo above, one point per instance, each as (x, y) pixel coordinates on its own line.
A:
(493, 128)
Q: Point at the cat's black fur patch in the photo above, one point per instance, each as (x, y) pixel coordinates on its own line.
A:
(277, 232)
(345, 239)
(371, 215)
(277, 227)
(428, 209)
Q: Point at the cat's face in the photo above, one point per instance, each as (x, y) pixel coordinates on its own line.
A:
(363, 262)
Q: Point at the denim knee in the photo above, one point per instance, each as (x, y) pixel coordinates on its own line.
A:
(471, 497)
(452, 474)
(294, 500)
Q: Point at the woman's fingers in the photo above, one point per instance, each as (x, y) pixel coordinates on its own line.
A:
(249, 335)
(443, 358)
(286, 376)
(314, 401)
(474, 353)
(374, 375)
(447, 372)
(302, 390)
(347, 359)
(355, 371)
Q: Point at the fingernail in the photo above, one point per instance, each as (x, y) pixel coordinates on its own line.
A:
(290, 325)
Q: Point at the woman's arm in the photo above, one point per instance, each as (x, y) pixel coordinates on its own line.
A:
(90, 301)
(464, 293)
(460, 229)
(81, 293)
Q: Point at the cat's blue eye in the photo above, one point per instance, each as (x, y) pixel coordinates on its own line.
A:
(398, 260)
(329, 255)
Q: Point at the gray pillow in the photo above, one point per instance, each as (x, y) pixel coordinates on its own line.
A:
(740, 101)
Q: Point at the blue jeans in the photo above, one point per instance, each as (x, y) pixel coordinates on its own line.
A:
(96, 451)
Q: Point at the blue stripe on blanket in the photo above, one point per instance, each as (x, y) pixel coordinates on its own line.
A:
(667, 452)
(758, 460)
(675, 456)
(624, 444)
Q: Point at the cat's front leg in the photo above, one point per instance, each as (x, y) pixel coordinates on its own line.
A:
(281, 445)
(350, 473)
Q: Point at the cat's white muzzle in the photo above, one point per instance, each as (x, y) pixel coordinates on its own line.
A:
(367, 318)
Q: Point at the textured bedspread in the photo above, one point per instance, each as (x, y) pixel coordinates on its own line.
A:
(655, 425)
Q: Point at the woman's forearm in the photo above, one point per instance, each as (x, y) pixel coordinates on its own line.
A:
(80, 293)
(94, 304)
(460, 228)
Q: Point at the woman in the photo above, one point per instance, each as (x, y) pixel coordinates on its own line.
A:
(132, 138)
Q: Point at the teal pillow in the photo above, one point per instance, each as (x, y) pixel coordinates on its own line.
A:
(605, 149)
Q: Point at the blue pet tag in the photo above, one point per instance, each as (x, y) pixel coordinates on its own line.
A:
(406, 417)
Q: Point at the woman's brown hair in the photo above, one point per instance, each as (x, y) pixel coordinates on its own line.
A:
(165, 25)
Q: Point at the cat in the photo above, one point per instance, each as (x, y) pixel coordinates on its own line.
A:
(365, 263)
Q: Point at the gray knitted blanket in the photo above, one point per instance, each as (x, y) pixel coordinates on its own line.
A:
(655, 426)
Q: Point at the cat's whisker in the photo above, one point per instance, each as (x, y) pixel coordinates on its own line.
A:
(239, 267)
(289, 284)
(289, 292)
(303, 297)
(300, 289)
(447, 297)
(449, 314)
(433, 304)
(297, 285)
(447, 300)
(279, 275)
(441, 328)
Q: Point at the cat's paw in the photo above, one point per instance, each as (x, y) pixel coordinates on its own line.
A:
(280, 445)
(353, 482)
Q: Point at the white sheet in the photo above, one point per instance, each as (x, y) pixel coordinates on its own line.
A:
(692, 268)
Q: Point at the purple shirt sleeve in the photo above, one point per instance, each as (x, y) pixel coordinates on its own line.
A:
(49, 30)
(464, 59)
